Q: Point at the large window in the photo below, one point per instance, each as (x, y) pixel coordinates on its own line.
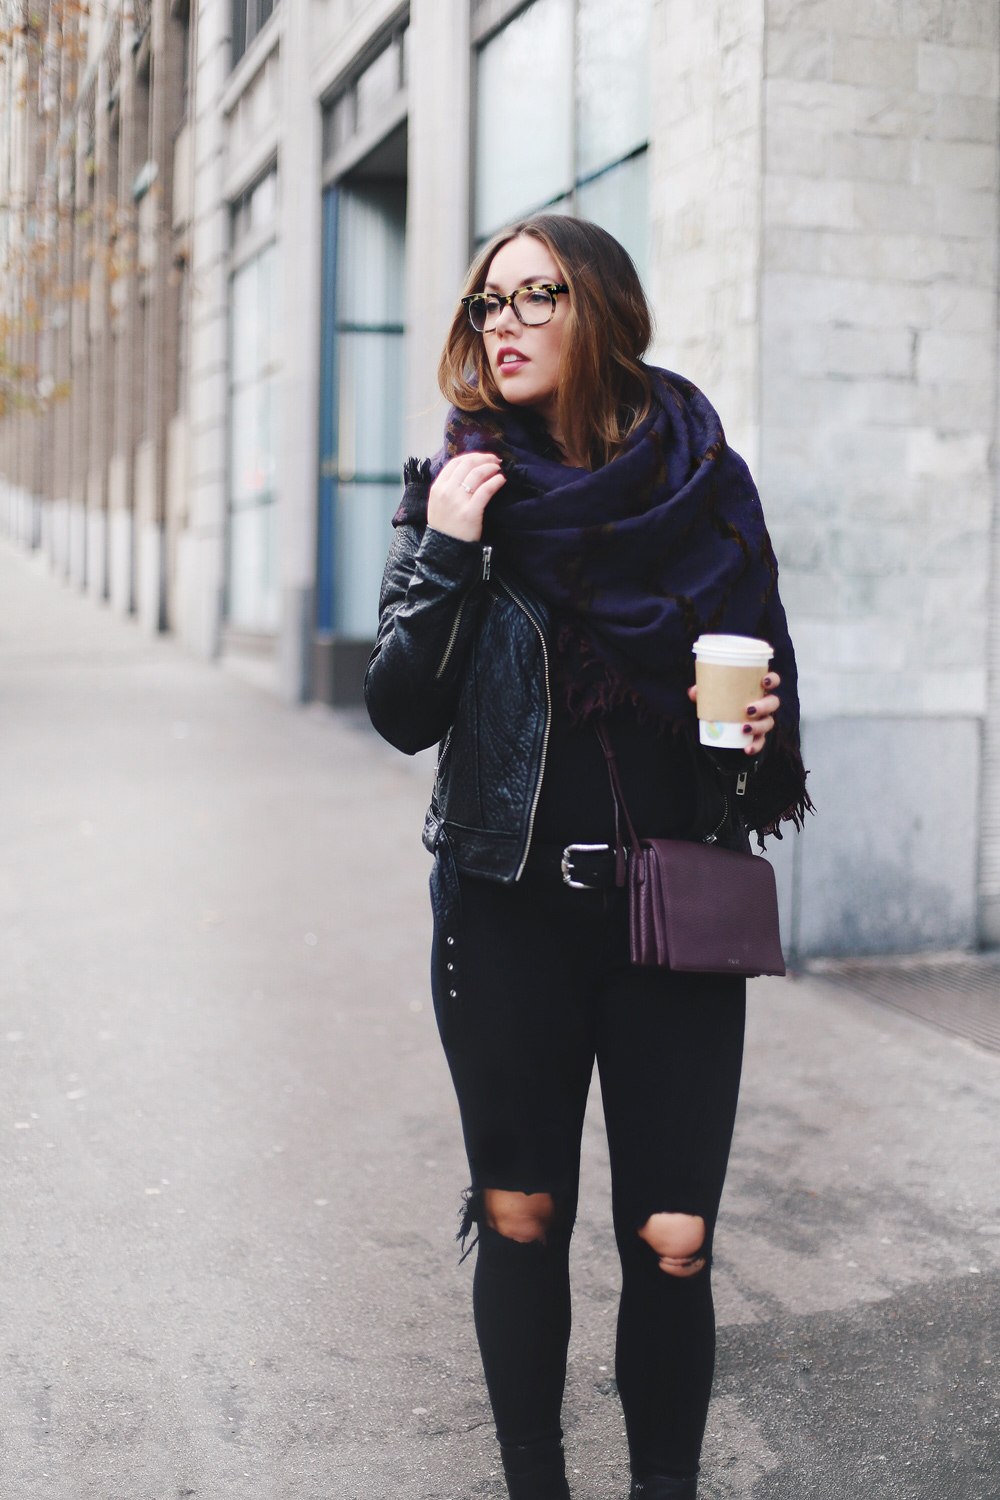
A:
(248, 18)
(362, 400)
(253, 601)
(361, 386)
(371, 101)
(562, 118)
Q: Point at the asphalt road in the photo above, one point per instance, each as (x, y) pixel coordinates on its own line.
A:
(231, 1161)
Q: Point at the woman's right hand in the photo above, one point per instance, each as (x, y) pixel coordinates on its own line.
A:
(461, 493)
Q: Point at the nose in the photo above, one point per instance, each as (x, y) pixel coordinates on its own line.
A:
(507, 322)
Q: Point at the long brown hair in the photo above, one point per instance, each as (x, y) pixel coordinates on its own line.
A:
(604, 389)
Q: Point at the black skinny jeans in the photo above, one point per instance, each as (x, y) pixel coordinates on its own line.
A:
(539, 985)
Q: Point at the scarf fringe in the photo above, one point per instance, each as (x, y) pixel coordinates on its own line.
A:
(420, 472)
(593, 666)
(417, 471)
(593, 688)
(786, 747)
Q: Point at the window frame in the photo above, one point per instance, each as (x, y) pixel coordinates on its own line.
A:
(338, 161)
(244, 248)
(241, 38)
(489, 18)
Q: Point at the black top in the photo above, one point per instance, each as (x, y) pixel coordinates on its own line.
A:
(657, 772)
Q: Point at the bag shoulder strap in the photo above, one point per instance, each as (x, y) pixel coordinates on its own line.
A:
(621, 807)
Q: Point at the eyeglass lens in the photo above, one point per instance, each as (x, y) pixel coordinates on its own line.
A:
(533, 305)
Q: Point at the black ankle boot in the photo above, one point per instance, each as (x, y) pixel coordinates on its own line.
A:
(535, 1471)
(658, 1487)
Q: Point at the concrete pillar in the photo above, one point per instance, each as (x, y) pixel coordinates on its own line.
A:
(437, 229)
(706, 187)
(299, 247)
(201, 546)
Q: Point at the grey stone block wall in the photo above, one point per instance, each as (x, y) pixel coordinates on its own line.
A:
(825, 205)
(878, 347)
(888, 864)
(826, 267)
(878, 416)
(705, 201)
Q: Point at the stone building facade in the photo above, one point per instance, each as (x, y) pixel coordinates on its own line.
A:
(810, 188)
(93, 106)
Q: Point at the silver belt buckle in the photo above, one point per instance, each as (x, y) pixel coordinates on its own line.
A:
(566, 863)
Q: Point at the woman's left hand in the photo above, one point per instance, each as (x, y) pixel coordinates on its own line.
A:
(761, 712)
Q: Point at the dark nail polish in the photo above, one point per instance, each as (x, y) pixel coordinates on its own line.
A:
(751, 711)
(748, 729)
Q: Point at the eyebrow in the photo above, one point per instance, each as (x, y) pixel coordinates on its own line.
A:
(492, 286)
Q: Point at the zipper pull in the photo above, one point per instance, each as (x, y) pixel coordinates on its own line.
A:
(487, 557)
(741, 784)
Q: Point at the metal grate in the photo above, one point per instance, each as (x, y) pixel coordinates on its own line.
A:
(959, 993)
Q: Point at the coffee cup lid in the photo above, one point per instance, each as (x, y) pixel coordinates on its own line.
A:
(733, 650)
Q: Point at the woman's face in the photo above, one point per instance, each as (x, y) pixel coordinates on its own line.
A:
(524, 360)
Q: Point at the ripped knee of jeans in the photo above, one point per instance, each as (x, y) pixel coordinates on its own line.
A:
(679, 1242)
(523, 1218)
(470, 1216)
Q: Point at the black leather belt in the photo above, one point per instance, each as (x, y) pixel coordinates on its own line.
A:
(583, 867)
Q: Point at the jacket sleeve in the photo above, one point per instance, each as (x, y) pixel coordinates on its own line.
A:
(426, 624)
(772, 785)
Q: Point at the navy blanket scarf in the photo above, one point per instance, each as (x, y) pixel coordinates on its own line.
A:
(637, 559)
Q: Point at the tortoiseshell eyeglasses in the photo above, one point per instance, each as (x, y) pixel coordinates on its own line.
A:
(533, 305)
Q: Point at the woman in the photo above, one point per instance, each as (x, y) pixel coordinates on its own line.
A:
(551, 567)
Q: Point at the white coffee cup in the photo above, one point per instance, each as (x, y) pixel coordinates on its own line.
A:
(728, 671)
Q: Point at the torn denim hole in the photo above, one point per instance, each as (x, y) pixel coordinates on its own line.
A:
(471, 1213)
(704, 1252)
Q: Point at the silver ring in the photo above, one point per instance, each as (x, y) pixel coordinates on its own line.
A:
(466, 488)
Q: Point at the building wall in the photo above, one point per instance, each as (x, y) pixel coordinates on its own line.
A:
(878, 414)
(825, 203)
(201, 542)
(300, 210)
(823, 212)
(87, 270)
(705, 202)
(437, 204)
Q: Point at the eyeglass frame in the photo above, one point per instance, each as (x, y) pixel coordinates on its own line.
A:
(554, 289)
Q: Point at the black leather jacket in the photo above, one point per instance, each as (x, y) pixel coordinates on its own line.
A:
(462, 657)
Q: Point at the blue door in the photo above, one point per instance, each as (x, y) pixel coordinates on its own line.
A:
(361, 416)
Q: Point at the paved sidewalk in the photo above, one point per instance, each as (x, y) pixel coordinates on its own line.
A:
(231, 1160)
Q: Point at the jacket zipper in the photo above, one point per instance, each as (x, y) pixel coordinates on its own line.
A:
(487, 557)
(437, 766)
(451, 639)
(713, 837)
(548, 723)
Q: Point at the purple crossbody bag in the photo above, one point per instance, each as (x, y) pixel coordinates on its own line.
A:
(693, 906)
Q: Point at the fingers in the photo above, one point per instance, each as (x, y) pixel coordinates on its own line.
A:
(483, 493)
(761, 714)
(459, 467)
(763, 706)
(474, 477)
(461, 493)
(755, 734)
